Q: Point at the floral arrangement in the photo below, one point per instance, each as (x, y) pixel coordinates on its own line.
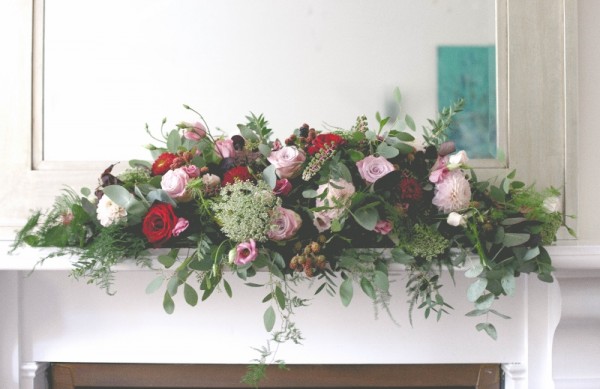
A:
(335, 207)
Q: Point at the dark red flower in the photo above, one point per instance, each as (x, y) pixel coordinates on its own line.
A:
(283, 187)
(323, 140)
(410, 189)
(238, 173)
(159, 222)
(163, 163)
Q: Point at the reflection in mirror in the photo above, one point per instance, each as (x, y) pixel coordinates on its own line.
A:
(122, 63)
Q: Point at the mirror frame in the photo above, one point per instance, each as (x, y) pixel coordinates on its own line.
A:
(537, 107)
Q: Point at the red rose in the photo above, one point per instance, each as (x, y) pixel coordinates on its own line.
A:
(159, 222)
(324, 140)
(163, 163)
(238, 173)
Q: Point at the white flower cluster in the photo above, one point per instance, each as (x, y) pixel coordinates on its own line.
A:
(110, 213)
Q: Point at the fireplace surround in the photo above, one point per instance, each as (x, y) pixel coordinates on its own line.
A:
(550, 341)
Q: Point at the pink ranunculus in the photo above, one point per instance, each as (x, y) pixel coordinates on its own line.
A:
(285, 224)
(383, 227)
(372, 168)
(322, 219)
(246, 252)
(211, 180)
(181, 225)
(282, 187)
(337, 198)
(453, 193)
(194, 131)
(439, 169)
(174, 183)
(191, 170)
(287, 161)
(224, 148)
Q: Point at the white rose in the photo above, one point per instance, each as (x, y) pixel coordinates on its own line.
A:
(211, 180)
(109, 213)
(456, 219)
(552, 204)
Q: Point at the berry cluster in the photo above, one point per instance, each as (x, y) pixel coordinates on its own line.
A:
(309, 260)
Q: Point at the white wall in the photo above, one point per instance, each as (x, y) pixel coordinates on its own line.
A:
(589, 125)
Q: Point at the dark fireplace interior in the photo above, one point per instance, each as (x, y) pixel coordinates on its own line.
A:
(163, 376)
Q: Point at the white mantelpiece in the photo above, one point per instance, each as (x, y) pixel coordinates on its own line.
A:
(552, 338)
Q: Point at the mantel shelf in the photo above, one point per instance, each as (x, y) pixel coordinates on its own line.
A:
(567, 255)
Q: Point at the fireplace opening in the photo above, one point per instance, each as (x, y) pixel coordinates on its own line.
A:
(163, 376)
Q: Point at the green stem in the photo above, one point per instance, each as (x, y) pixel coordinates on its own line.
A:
(478, 246)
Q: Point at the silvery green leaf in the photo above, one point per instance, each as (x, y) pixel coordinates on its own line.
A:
(269, 176)
(508, 283)
(381, 281)
(118, 194)
(367, 217)
(190, 295)
(269, 319)
(368, 288)
(264, 149)
(512, 239)
(476, 289)
(397, 95)
(160, 195)
(346, 291)
(489, 329)
(484, 302)
(410, 122)
(474, 270)
(173, 141)
(387, 151)
(168, 304)
(155, 284)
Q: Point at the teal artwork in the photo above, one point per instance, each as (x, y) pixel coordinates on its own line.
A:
(469, 72)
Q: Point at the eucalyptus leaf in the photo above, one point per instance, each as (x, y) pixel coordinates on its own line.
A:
(280, 297)
(269, 319)
(485, 301)
(155, 284)
(346, 291)
(474, 271)
(160, 195)
(367, 287)
(387, 151)
(476, 289)
(489, 329)
(166, 260)
(269, 176)
(118, 194)
(404, 148)
(227, 288)
(168, 304)
(173, 141)
(381, 281)
(410, 122)
(264, 149)
(190, 294)
(508, 283)
(512, 239)
(367, 217)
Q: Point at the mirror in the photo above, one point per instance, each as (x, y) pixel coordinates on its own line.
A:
(122, 63)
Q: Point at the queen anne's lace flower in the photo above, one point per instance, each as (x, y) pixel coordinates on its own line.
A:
(109, 213)
(453, 193)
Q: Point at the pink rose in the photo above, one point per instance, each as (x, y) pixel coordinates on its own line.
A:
(224, 148)
(191, 170)
(194, 131)
(287, 161)
(282, 187)
(285, 224)
(246, 252)
(453, 193)
(174, 183)
(372, 168)
(181, 225)
(383, 227)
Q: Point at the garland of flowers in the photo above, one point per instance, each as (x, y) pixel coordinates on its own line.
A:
(249, 203)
